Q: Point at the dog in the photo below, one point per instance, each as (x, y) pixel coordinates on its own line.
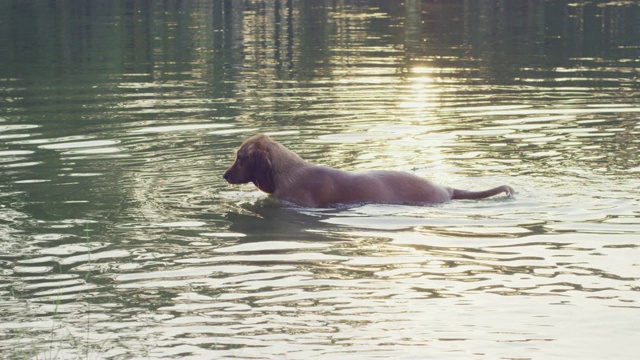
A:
(278, 171)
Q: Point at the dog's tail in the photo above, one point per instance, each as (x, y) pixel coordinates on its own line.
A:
(464, 194)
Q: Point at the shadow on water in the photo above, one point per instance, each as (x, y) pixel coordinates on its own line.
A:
(268, 219)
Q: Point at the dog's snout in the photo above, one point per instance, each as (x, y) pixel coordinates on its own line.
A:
(231, 176)
(226, 175)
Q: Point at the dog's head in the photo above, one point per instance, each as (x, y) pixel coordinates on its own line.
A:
(253, 164)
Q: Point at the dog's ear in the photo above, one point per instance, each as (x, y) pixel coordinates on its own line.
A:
(263, 171)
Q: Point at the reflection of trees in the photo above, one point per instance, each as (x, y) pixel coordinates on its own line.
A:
(248, 54)
(286, 39)
(592, 29)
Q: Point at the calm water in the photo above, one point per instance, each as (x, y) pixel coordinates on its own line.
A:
(120, 239)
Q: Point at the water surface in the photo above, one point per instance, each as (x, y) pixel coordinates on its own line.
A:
(120, 239)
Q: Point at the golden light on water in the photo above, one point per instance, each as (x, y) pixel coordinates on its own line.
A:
(422, 93)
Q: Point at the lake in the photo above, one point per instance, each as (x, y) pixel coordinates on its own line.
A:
(120, 239)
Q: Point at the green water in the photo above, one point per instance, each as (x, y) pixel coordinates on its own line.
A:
(120, 239)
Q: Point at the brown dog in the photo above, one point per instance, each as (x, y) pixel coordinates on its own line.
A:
(277, 170)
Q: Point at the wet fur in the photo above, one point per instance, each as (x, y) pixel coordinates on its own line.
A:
(280, 172)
